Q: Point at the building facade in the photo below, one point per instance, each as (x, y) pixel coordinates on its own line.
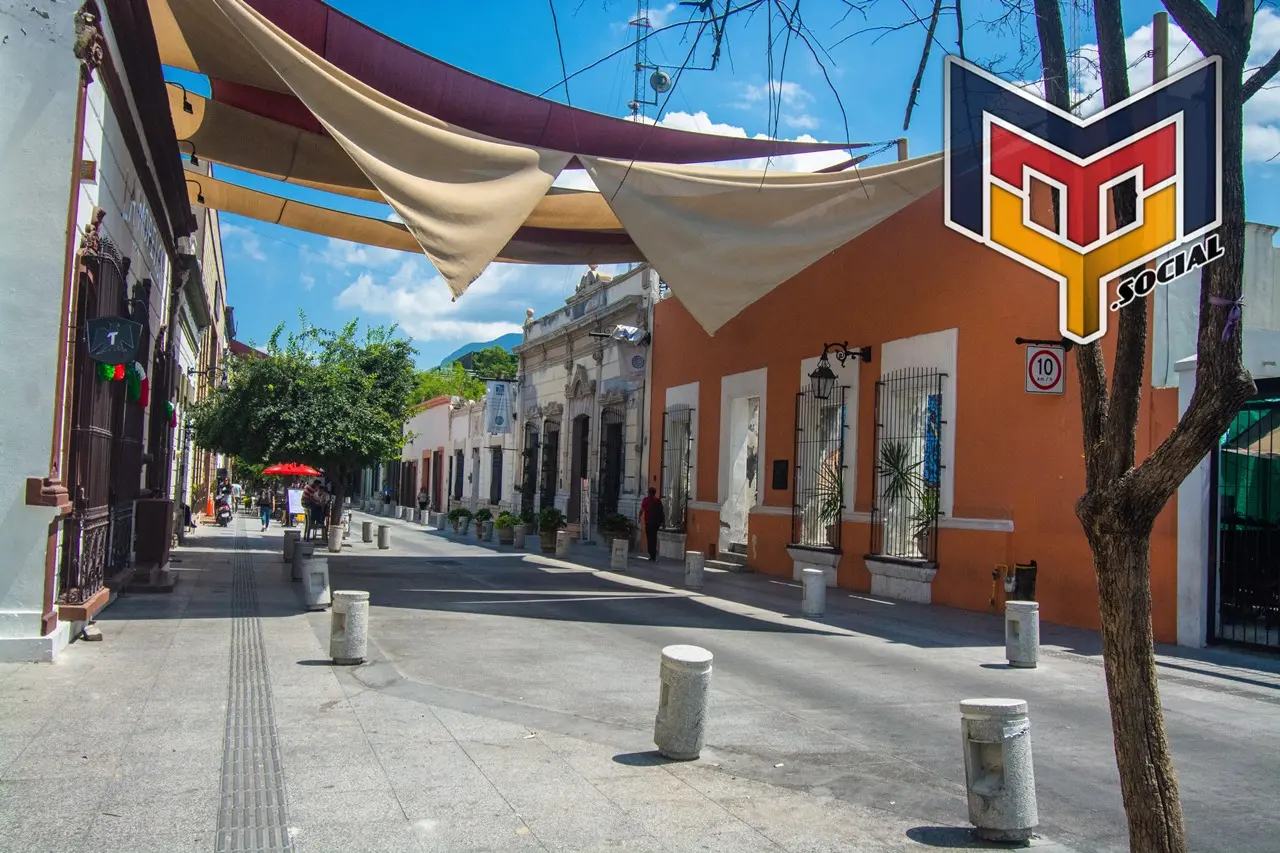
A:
(482, 467)
(583, 429)
(425, 458)
(927, 465)
(97, 224)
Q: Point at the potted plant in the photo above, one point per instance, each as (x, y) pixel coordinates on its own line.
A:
(830, 498)
(460, 518)
(484, 523)
(530, 522)
(913, 507)
(615, 525)
(550, 520)
(506, 526)
(923, 520)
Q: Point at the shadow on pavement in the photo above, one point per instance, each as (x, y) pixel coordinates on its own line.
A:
(497, 587)
(957, 838)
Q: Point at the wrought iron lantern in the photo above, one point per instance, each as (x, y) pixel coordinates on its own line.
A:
(823, 379)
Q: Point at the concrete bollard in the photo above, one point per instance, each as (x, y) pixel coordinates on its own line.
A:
(680, 727)
(694, 563)
(618, 555)
(315, 583)
(814, 601)
(291, 538)
(999, 776)
(562, 543)
(1022, 633)
(302, 552)
(335, 539)
(366, 531)
(384, 537)
(517, 535)
(349, 627)
(533, 542)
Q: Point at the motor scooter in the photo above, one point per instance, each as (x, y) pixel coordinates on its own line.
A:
(223, 514)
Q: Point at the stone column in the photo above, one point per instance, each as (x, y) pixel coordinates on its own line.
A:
(999, 776)
(384, 537)
(302, 552)
(814, 602)
(618, 555)
(366, 531)
(1022, 633)
(291, 538)
(349, 627)
(694, 561)
(315, 583)
(679, 730)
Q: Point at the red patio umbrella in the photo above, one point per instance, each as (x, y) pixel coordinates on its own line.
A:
(291, 469)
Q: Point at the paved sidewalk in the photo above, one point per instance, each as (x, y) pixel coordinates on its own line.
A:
(507, 705)
(220, 696)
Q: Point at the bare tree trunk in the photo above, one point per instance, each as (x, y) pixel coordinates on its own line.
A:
(339, 496)
(1148, 782)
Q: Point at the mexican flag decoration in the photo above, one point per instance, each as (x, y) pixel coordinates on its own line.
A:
(133, 383)
(106, 372)
(171, 412)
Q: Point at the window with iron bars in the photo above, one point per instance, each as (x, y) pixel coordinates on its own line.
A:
(908, 469)
(817, 501)
(550, 465)
(677, 461)
(495, 475)
(458, 459)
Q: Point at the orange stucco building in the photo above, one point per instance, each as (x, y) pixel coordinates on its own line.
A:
(1007, 466)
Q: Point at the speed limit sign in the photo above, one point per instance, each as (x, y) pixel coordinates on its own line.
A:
(1044, 369)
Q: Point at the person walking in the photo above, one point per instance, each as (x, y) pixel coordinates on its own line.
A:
(423, 497)
(652, 516)
(265, 507)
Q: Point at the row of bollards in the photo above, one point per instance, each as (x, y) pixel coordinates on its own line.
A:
(995, 732)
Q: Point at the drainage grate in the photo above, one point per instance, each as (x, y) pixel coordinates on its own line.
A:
(253, 814)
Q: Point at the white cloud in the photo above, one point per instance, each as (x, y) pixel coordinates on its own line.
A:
(788, 97)
(658, 17)
(243, 241)
(1261, 112)
(364, 256)
(394, 217)
(308, 281)
(416, 297)
(702, 123)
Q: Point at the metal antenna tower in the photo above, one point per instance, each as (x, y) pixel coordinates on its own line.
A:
(642, 27)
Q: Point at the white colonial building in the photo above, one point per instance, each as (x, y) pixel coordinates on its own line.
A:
(482, 465)
(582, 402)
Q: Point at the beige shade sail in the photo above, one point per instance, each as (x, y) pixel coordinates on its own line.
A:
(272, 149)
(528, 246)
(463, 196)
(724, 238)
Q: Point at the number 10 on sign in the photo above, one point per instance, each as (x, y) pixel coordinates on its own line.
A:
(1045, 369)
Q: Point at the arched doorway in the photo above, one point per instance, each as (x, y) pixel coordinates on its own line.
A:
(580, 450)
(612, 455)
(550, 464)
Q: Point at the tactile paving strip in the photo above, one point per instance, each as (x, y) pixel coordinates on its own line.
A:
(254, 811)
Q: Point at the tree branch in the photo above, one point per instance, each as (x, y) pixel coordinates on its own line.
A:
(1198, 22)
(1120, 435)
(1262, 76)
(924, 61)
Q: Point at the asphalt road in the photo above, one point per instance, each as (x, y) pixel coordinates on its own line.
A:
(868, 715)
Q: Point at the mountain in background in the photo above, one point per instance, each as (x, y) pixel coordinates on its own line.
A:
(507, 342)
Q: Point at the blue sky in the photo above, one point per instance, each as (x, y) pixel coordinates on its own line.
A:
(273, 272)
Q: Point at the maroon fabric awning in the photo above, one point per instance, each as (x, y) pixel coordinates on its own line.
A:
(438, 89)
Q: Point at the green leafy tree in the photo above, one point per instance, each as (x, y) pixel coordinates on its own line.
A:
(249, 474)
(451, 380)
(326, 399)
(494, 363)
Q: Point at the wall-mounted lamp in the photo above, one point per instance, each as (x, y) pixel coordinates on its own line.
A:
(199, 191)
(823, 378)
(186, 105)
(1061, 342)
(195, 161)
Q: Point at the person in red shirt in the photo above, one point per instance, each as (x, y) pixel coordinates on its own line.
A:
(652, 516)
